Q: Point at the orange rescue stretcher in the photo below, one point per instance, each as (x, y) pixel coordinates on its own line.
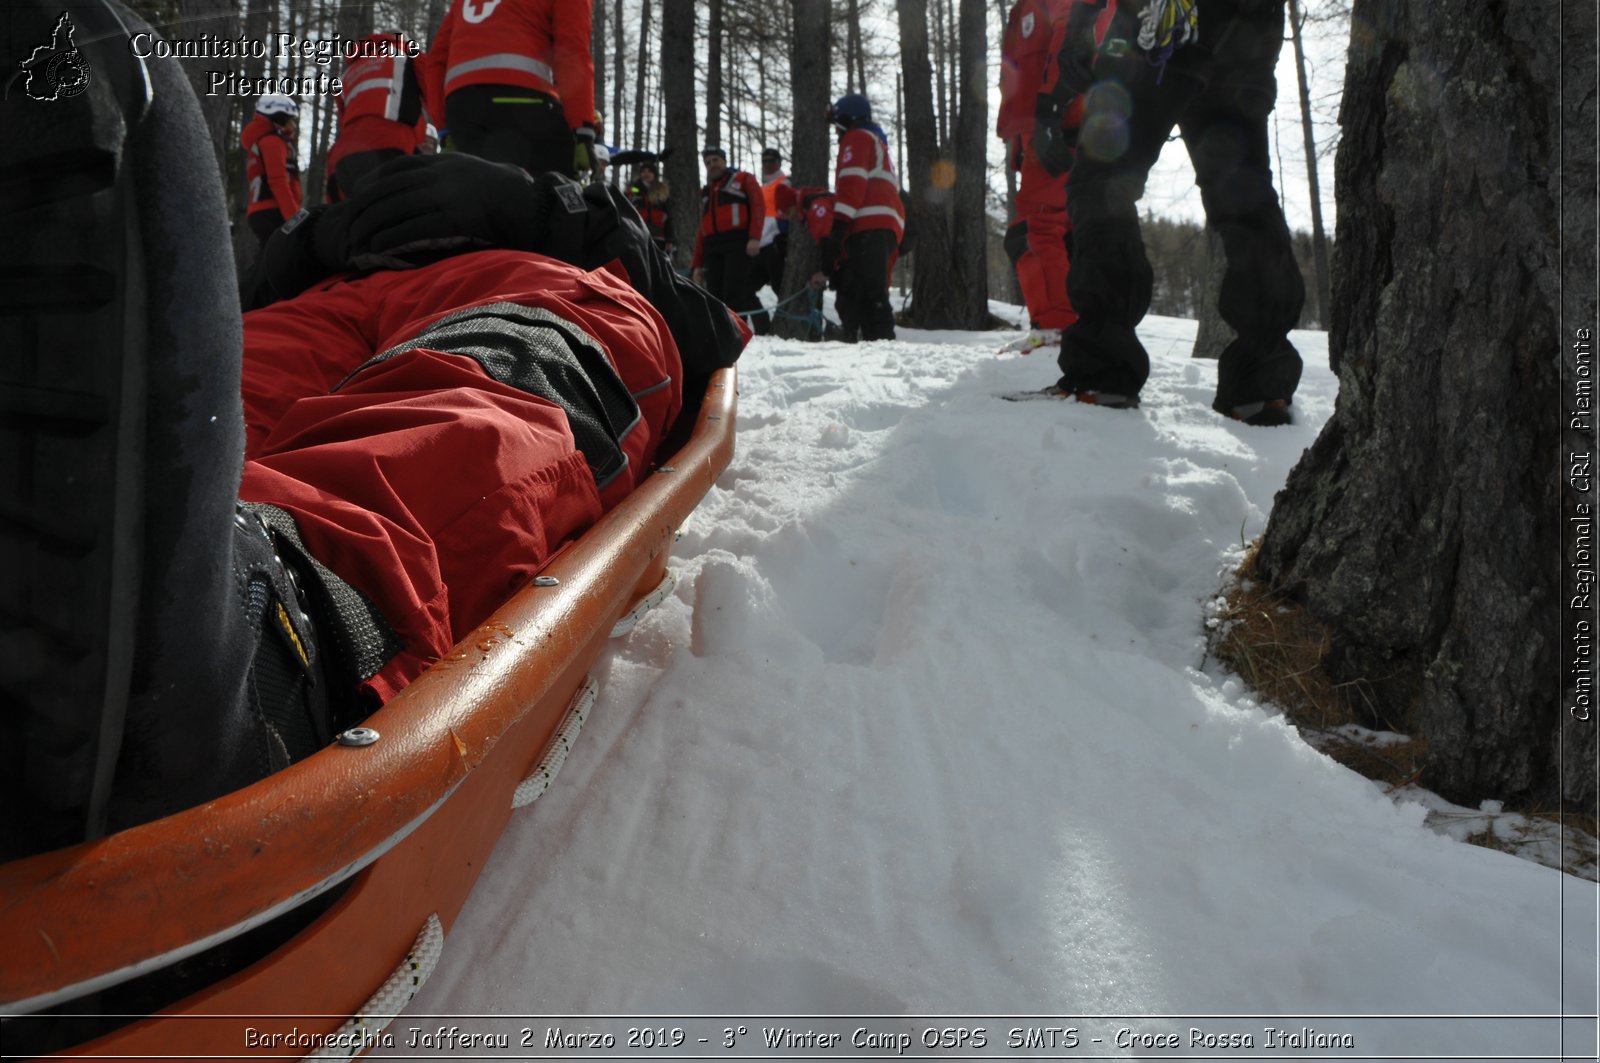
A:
(398, 828)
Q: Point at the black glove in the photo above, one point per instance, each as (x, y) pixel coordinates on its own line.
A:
(833, 244)
(305, 249)
(429, 202)
(1055, 146)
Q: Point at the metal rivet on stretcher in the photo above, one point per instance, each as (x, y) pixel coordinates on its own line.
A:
(546, 581)
(358, 736)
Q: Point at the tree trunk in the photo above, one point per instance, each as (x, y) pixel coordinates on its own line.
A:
(677, 92)
(810, 66)
(1423, 524)
(970, 228)
(930, 180)
(638, 137)
(1319, 236)
(1214, 333)
(714, 77)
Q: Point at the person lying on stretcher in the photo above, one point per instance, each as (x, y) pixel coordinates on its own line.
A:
(443, 379)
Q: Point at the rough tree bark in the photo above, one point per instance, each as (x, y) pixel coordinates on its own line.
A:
(1423, 525)
(1213, 333)
(677, 93)
(714, 75)
(810, 73)
(928, 179)
(970, 228)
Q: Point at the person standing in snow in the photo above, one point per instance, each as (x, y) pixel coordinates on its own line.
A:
(514, 81)
(1036, 240)
(271, 164)
(651, 196)
(1149, 71)
(380, 111)
(775, 230)
(732, 216)
(868, 222)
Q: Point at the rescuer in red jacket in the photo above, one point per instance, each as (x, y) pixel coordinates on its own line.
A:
(515, 82)
(278, 523)
(380, 111)
(1036, 241)
(651, 196)
(732, 215)
(271, 164)
(868, 223)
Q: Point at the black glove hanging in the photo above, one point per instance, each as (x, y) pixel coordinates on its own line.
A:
(1055, 146)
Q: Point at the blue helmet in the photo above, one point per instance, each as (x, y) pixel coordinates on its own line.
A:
(849, 110)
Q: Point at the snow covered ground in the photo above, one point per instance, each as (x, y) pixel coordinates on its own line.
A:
(927, 729)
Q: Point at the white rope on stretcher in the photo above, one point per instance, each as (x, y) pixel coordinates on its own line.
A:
(647, 603)
(362, 1030)
(533, 787)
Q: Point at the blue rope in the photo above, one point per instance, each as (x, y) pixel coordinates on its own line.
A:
(813, 316)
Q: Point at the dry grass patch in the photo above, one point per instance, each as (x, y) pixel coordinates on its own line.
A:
(1278, 648)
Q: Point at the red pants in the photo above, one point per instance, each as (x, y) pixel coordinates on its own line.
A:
(423, 482)
(1042, 269)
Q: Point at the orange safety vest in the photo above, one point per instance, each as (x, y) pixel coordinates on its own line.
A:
(733, 204)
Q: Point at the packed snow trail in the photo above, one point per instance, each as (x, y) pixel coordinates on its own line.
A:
(927, 727)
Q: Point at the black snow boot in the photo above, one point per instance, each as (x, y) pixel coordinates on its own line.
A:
(133, 607)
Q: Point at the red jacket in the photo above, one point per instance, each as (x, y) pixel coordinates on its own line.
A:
(1034, 32)
(536, 44)
(733, 203)
(271, 167)
(380, 107)
(866, 191)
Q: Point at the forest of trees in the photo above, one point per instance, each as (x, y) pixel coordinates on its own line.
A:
(747, 74)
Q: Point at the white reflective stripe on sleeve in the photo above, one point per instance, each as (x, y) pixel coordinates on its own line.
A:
(352, 91)
(501, 61)
(844, 210)
(397, 84)
(880, 212)
(853, 171)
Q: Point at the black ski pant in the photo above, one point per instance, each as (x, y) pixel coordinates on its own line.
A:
(733, 276)
(263, 223)
(863, 282)
(508, 123)
(1218, 93)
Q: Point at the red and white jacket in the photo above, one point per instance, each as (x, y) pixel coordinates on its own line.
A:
(271, 167)
(866, 191)
(1034, 32)
(733, 203)
(536, 44)
(380, 107)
